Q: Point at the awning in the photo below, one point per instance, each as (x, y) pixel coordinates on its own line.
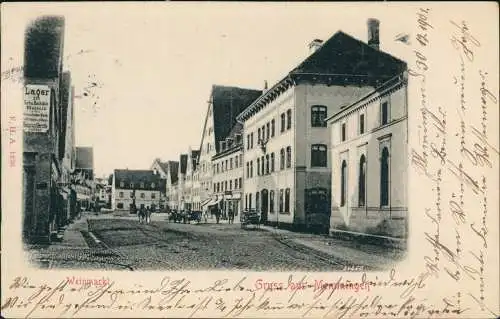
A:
(214, 201)
(205, 202)
(235, 196)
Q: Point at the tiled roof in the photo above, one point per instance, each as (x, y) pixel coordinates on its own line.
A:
(137, 177)
(183, 163)
(343, 54)
(85, 157)
(227, 103)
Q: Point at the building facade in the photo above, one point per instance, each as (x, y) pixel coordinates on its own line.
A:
(369, 155)
(227, 168)
(225, 103)
(136, 189)
(288, 170)
(181, 192)
(48, 120)
(191, 185)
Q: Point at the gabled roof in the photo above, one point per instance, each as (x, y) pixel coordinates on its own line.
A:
(343, 54)
(227, 103)
(174, 171)
(84, 158)
(183, 163)
(163, 165)
(195, 154)
(341, 60)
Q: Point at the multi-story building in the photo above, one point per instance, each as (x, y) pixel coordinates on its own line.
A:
(225, 103)
(188, 191)
(227, 167)
(136, 188)
(84, 177)
(166, 170)
(181, 182)
(369, 154)
(288, 172)
(171, 181)
(45, 127)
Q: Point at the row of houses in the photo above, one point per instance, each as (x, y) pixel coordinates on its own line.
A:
(57, 175)
(322, 149)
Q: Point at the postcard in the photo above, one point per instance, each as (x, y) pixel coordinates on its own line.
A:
(253, 160)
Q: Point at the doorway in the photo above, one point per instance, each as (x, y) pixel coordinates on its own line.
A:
(264, 205)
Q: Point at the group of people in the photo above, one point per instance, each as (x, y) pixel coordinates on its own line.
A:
(218, 213)
(144, 215)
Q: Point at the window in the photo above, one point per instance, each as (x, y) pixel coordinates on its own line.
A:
(384, 177)
(282, 158)
(153, 195)
(226, 165)
(251, 140)
(258, 166)
(153, 185)
(122, 184)
(143, 195)
(384, 113)
(131, 194)
(288, 157)
(283, 120)
(361, 123)
(272, 128)
(235, 161)
(142, 185)
(248, 141)
(267, 163)
(231, 163)
(262, 165)
(121, 194)
(271, 201)
(215, 189)
(251, 169)
(241, 159)
(235, 183)
(119, 205)
(272, 162)
(231, 185)
(268, 129)
(289, 119)
(246, 201)
(343, 183)
(281, 201)
(218, 187)
(258, 135)
(239, 183)
(250, 201)
(343, 132)
(257, 200)
(318, 116)
(362, 182)
(287, 200)
(225, 185)
(318, 155)
(248, 170)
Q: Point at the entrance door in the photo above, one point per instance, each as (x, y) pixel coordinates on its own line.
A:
(265, 205)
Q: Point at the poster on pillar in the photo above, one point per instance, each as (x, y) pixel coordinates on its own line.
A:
(36, 108)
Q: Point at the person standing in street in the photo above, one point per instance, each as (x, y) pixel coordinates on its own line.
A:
(231, 216)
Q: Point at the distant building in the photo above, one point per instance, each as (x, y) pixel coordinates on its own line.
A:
(191, 186)
(84, 177)
(181, 191)
(136, 188)
(164, 169)
(369, 155)
(285, 128)
(225, 103)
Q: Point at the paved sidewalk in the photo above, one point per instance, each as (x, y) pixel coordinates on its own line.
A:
(73, 235)
(371, 256)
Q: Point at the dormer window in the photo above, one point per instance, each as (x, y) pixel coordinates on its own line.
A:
(238, 138)
(223, 145)
(142, 185)
(153, 185)
(229, 142)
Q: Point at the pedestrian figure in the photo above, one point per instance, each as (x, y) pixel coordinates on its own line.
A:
(231, 216)
(148, 215)
(141, 215)
(217, 215)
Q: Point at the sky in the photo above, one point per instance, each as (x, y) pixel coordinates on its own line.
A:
(155, 64)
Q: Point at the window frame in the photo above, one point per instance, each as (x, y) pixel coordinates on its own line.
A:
(288, 119)
(318, 111)
(319, 155)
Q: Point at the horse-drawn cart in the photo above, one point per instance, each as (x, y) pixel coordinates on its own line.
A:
(250, 218)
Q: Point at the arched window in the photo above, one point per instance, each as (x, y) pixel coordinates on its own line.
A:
(272, 128)
(362, 182)
(250, 201)
(289, 119)
(283, 122)
(267, 163)
(262, 165)
(318, 155)
(272, 162)
(258, 166)
(271, 201)
(289, 157)
(287, 200)
(384, 177)
(343, 183)
(318, 116)
(282, 158)
(281, 201)
(257, 200)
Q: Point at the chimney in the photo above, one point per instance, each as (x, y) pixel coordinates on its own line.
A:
(265, 85)
(315, 45)
(373, 33)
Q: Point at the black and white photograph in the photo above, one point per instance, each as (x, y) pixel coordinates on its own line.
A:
(329, 144)
(306, 172)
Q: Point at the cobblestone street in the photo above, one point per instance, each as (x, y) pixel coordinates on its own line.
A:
(120, 242)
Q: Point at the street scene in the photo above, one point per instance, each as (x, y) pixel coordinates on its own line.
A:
(307, 171)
